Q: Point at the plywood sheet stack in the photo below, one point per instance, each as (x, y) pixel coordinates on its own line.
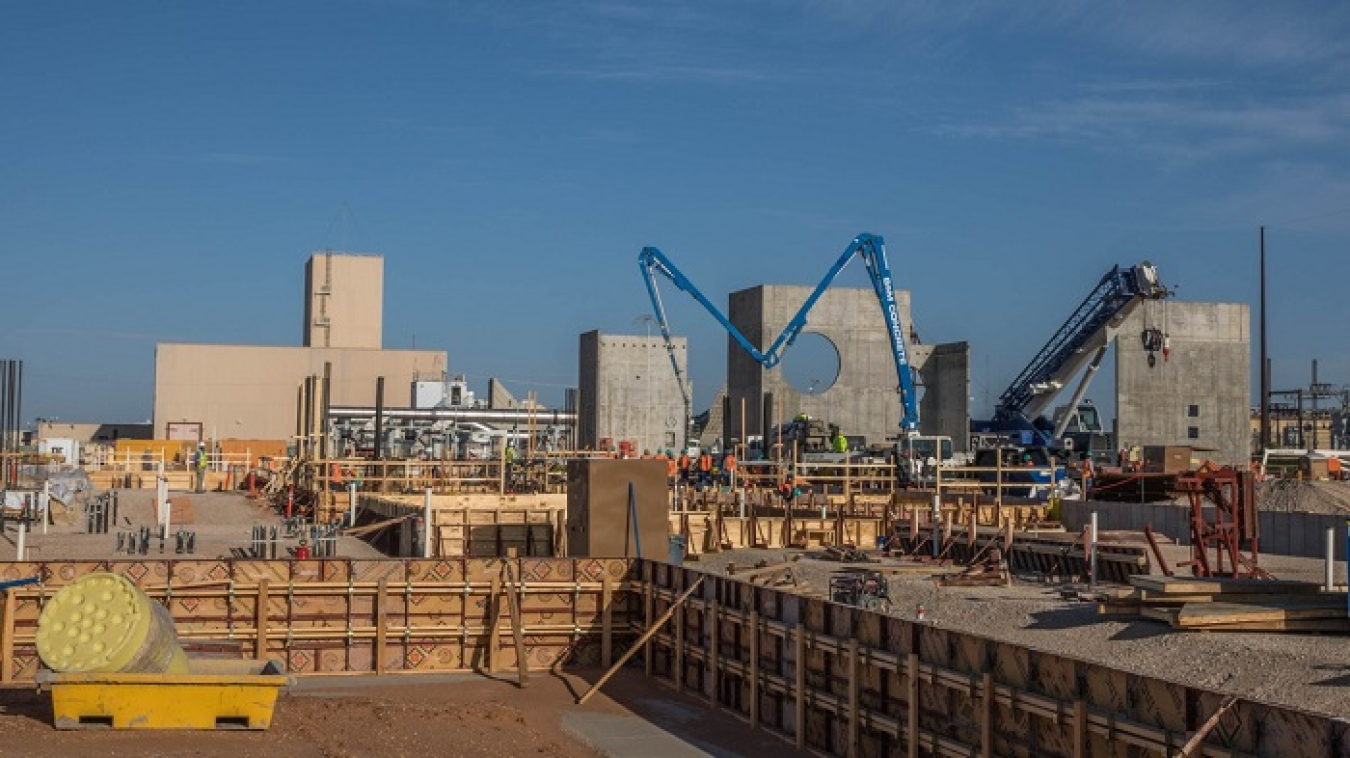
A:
(1243, 605)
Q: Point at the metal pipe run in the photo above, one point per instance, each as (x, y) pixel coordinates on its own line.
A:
(459, 415)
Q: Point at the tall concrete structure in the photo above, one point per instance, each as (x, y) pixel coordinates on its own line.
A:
(864, 399)
(250, 391)
(629, 392)
(1200, 395)
(344, 300)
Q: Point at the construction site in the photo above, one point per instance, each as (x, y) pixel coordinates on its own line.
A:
(337, 549)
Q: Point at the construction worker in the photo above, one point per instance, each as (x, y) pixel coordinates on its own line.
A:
(302, 551)
(335, 478)
(729, 469)
(788, 490)
(705, 467)
(684, 468)
(200, 461)
(1087, 475)
(672, 468)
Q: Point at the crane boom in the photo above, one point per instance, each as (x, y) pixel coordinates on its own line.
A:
(871, 248)
(1081, 340)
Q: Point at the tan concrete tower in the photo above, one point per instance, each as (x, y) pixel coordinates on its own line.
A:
(344, 300)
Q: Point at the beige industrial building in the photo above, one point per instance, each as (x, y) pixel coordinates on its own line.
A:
(205, 391)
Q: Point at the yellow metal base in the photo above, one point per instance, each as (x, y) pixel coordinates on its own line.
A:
(217, 694)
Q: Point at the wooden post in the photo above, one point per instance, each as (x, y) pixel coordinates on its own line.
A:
(647, 635)
(260, 614)
(714, 663)
(679, 649)
(912, 695)
(7, 639)
(754, 667)
(606, 623)
(381, 624)
(799, 644)
(987, 716)
(1080, 732)
(647, 603)
(854, 702)
(513, 590)
(494, 616)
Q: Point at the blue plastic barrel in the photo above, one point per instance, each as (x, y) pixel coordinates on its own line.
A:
(678, 543)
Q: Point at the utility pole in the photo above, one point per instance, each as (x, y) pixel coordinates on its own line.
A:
(1265, 362)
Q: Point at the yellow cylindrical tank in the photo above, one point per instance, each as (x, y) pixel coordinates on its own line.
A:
(101, 624)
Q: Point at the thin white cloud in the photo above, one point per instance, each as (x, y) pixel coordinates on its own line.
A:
(1246, 34)
(640, 70)
(1179, 127)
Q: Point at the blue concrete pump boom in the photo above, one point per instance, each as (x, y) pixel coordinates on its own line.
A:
(871, 248)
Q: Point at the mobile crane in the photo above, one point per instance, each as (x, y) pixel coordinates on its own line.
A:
(1081, 341)
(871, 248)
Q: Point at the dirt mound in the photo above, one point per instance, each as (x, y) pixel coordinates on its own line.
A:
(1292, 495)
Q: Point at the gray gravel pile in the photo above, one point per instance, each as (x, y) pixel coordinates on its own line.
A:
(1292, 495)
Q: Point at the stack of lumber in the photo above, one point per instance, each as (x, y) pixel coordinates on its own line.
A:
(1231, 605)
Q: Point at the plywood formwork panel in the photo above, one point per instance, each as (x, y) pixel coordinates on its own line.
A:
(340, 616)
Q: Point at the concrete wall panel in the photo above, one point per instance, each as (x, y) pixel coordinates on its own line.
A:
(629, 391)
(864, 399)
(1200, 395)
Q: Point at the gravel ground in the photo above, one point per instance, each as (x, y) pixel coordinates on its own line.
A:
(1302, 671)
(222, 521)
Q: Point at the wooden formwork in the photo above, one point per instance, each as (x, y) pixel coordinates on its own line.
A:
(838, 680)
(849, 682)
(709, 532)
(362, 616)
(486, 533)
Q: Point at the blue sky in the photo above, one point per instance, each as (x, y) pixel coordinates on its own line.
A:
(167, 168)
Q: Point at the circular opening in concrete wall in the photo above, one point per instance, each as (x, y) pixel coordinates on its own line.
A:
(811, 366)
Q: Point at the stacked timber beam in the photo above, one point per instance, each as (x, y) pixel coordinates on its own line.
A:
(1053, 555)
(1231, 605)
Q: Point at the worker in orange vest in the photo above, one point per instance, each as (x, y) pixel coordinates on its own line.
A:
(684, 468)
(705, 466)
(729, 469)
